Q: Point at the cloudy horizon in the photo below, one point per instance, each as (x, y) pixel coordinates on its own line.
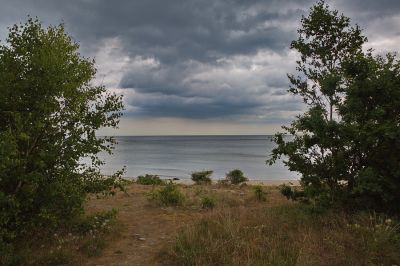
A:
(199, 67)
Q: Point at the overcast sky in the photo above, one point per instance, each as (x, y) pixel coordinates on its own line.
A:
(199, 67)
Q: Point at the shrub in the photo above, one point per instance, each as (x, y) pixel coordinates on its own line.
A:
(202, 177)
(207, 202)
(286, 191)
(56, 258)
(97, 223)
(236, 177)
(8, 256)
(259, 193)
(149, 180)
(169, 195)
(93, 247)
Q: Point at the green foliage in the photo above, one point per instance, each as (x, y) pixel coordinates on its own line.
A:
(208, 202)
(7, 254)
(93, 247)
(96, 223)
(202, 177)
(236, 177)
(96, 227)
(169, 195)
(259, 193)
(286, 191)
(49, 115)
(371, 116)
(55, 258)
(149, 180)
(378, 232)
(346, 145)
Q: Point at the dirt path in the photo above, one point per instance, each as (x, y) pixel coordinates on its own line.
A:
(144, 229)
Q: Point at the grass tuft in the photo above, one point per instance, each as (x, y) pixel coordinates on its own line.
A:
(259, 193)
(208, 202)
(93, 247)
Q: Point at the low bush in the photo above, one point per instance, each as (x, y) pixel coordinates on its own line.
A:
(93, 247)
(149, 180)
(55, 259)
(9, 256)
(208, 202)
(202, 177)
(96, 223)
(169, 195)
(259, 193)
(236, 177)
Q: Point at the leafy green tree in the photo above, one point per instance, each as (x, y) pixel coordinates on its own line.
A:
(49, 115)
(337, 143)
(371, 130)
(326, 39)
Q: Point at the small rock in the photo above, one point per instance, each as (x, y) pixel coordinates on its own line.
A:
(142, 239)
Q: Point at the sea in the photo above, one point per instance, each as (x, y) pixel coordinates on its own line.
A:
(179, 156)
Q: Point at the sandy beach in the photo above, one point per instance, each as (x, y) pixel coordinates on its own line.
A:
(250, 182)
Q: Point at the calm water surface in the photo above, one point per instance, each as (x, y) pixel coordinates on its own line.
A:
(178, 156)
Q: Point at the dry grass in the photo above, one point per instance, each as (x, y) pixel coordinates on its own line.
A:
(281, 233)
(238, 230)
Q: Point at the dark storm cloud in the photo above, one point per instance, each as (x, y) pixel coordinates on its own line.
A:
(193, 58)
(171, 30)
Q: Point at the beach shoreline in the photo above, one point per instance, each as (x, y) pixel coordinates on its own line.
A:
(264, 182)
(250, 182)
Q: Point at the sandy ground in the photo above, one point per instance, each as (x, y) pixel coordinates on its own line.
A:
(144, 230)
(266, 182)
(251, 182)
